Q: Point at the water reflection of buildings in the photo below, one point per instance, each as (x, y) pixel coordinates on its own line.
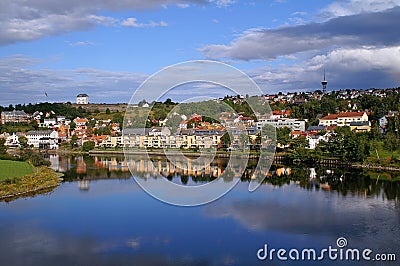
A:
(89, 168)
(166, 168)
(344, 181)
(283, 171)
(83, 184)
(82, 165)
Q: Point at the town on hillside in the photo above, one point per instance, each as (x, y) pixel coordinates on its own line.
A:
(313, 117)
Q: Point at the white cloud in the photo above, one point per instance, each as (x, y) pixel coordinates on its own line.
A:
(299, 13)
(183, 5)
(223, 3)
(22, 20)
(80, 43)
(373, 29)
(351, 7)
(132, 22)
(346, 68)
(363, 59)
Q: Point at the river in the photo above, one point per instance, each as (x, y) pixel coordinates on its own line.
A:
(100, 216)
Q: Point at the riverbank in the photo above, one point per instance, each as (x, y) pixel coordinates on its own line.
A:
(43, 180)
(279, 157)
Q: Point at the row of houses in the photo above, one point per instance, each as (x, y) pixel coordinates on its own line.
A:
(357, 121)
(161, 137)
(14, 117)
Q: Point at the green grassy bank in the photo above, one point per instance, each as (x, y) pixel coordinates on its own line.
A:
(19, 178)
(10, 169)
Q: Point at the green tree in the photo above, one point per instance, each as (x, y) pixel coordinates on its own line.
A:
(34, 124)
(298, 148)
(88, 145)
(108, 111)
(393, 124)
(74, 141)
(3, 148)
(328, 105)
(91, 123)
(225, 140)
(72, 126)
(348, 145)
(375, 134)
(23, 141)
(283, 135)
(118, 118)
(391, 142)
(168, 101)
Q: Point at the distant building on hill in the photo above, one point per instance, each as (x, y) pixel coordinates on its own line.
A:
(13, 117)
(82, 98)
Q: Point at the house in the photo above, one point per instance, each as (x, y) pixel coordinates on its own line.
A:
(13, 117)
(37, 115)
(360, 126)
(45, 139)
(80, 122)
(315, 129)
(196, 118)
(328, 120)
(82, 99)
(49, 122)
(61, 119)
(246, 119)
(293, 124)
(296, 134)
(12, 141)
(314, 140)
(384, 119)
(343, 118)
(113, 142)
(280, 114)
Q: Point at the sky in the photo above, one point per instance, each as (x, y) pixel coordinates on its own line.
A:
(108, 48)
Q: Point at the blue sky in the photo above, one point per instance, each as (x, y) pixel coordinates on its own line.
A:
(107, 48)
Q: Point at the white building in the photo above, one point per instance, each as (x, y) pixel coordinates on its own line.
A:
(49, 122)
(12, 141)
(314, 140)
(45, 139)
(293, 124)
(82, 98)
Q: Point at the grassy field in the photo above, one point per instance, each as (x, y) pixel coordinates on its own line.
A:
(11, 169)
(43, 179)
(383, 153)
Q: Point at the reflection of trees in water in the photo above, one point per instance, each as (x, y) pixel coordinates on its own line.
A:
(92, 168)
(343, 181)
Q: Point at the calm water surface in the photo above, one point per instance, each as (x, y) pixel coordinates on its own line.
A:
(100, 216)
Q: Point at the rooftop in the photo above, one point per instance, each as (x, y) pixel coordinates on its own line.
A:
(351, 114)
